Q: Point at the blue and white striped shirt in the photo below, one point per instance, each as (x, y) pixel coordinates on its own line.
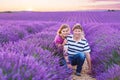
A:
(76, 47)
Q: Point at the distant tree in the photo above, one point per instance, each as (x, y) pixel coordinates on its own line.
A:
(110, 10)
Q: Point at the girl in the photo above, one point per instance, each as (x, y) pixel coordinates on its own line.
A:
(62, 33)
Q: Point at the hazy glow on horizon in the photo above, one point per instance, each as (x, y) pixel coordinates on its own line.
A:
(57, 5)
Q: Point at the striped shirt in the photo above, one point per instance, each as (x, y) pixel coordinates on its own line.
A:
(76, 47)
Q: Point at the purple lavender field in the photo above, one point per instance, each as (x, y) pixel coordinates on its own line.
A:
(26, 37)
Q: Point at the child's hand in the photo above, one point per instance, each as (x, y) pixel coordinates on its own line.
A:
(59, 45)
(65, 41)
(69, 66)
(89, 71)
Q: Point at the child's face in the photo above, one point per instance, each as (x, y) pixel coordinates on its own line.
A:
(77, 32)
(65, 32)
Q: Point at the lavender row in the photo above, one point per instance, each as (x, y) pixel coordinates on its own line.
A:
(82, 17)
(15, 30)
(104, 40)
(30, 47)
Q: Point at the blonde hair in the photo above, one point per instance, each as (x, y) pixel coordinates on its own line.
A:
(63, 26)
(78, 26)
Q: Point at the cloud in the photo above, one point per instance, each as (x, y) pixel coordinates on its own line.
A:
(103, 3)
(103, 7)
(105, 0)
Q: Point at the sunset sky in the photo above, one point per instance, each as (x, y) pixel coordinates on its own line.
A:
(58, 5)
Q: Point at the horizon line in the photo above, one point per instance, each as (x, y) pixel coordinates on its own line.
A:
(58, 10)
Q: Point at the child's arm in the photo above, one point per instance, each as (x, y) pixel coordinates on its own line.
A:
(88, 60)
(66, 54)
(64, 42)
(59, 45)
(67, 59)
(87, 51)
(65, 50)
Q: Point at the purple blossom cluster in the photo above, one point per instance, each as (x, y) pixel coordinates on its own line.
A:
(104, 40)
(16, 30)
(15, 66)
(111, 74)
(31, 51)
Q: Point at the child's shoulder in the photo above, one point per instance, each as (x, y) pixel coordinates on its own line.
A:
(85, 40)
(57, 37)
(70, 36)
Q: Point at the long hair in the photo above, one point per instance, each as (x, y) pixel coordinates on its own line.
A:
(63, 26)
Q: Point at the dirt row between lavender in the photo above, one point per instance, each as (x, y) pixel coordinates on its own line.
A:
(84, 75)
